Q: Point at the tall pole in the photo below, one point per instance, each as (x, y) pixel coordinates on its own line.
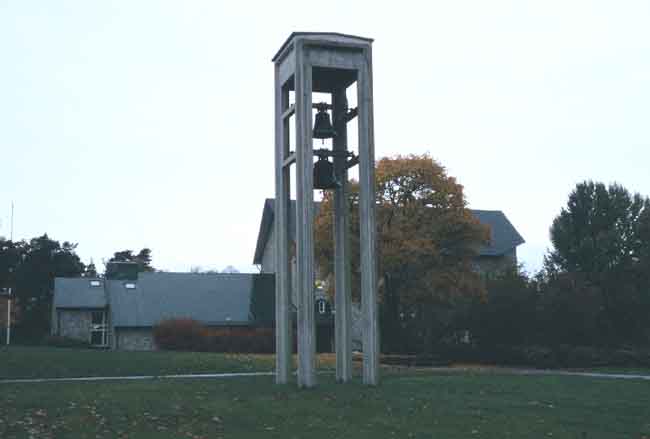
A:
(282, 269)
(305, 222)
(9, 317)
(11, 238)
(11, 230)
(342, 299)
(367, 224)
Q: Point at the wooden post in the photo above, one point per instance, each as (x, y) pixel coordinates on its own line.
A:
(342, 299)
(282, 279)
(367, 224)
(305, 222)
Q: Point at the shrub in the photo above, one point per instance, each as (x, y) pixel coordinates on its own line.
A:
(562, 356)
(509, 303)
(190, 335)
(64, 342)
(630, 358)
(180, 335)
(22, 334)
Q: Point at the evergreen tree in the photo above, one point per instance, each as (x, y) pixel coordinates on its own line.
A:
(142, 259)
(601, 244)
(41, 260)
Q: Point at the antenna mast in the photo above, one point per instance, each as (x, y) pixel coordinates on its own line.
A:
(11, 232)
(11, 238)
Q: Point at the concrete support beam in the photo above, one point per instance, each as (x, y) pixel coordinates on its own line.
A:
(283, 273)
(342, 299)
(369, 307)
(305, 222)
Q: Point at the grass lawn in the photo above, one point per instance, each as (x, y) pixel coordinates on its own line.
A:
(47, 362)
(481, 403)
(43, 362)
(467, 405)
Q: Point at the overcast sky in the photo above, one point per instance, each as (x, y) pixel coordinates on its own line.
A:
(131, 124)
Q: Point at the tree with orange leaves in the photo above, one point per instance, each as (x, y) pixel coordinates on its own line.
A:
(427, 240)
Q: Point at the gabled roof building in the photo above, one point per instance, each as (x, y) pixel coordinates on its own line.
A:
(499, 253)
(121, 313)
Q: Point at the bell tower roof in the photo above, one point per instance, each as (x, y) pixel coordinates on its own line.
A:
(324, 37)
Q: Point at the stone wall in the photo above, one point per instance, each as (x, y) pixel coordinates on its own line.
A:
(134, 339)
(74, 324)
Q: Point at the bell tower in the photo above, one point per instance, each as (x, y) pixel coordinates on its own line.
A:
(324, 63)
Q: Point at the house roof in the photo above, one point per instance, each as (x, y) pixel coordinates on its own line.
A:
(79, 293)
(268, 216)
(503, 235)
(213, 299)
(208, 298)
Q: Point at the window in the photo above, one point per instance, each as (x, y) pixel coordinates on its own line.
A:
(321, 307)
(95, 283)
(98, 329)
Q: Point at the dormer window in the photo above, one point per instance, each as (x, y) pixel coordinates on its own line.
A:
(95, 283)
(129, 286)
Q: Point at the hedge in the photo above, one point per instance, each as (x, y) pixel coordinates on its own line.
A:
(190, 335)
(563, 356)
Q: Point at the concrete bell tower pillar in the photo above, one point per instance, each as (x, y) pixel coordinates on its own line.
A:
(323, 63)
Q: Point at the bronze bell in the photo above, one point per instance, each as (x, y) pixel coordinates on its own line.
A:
(323, 128)
(324, 174)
